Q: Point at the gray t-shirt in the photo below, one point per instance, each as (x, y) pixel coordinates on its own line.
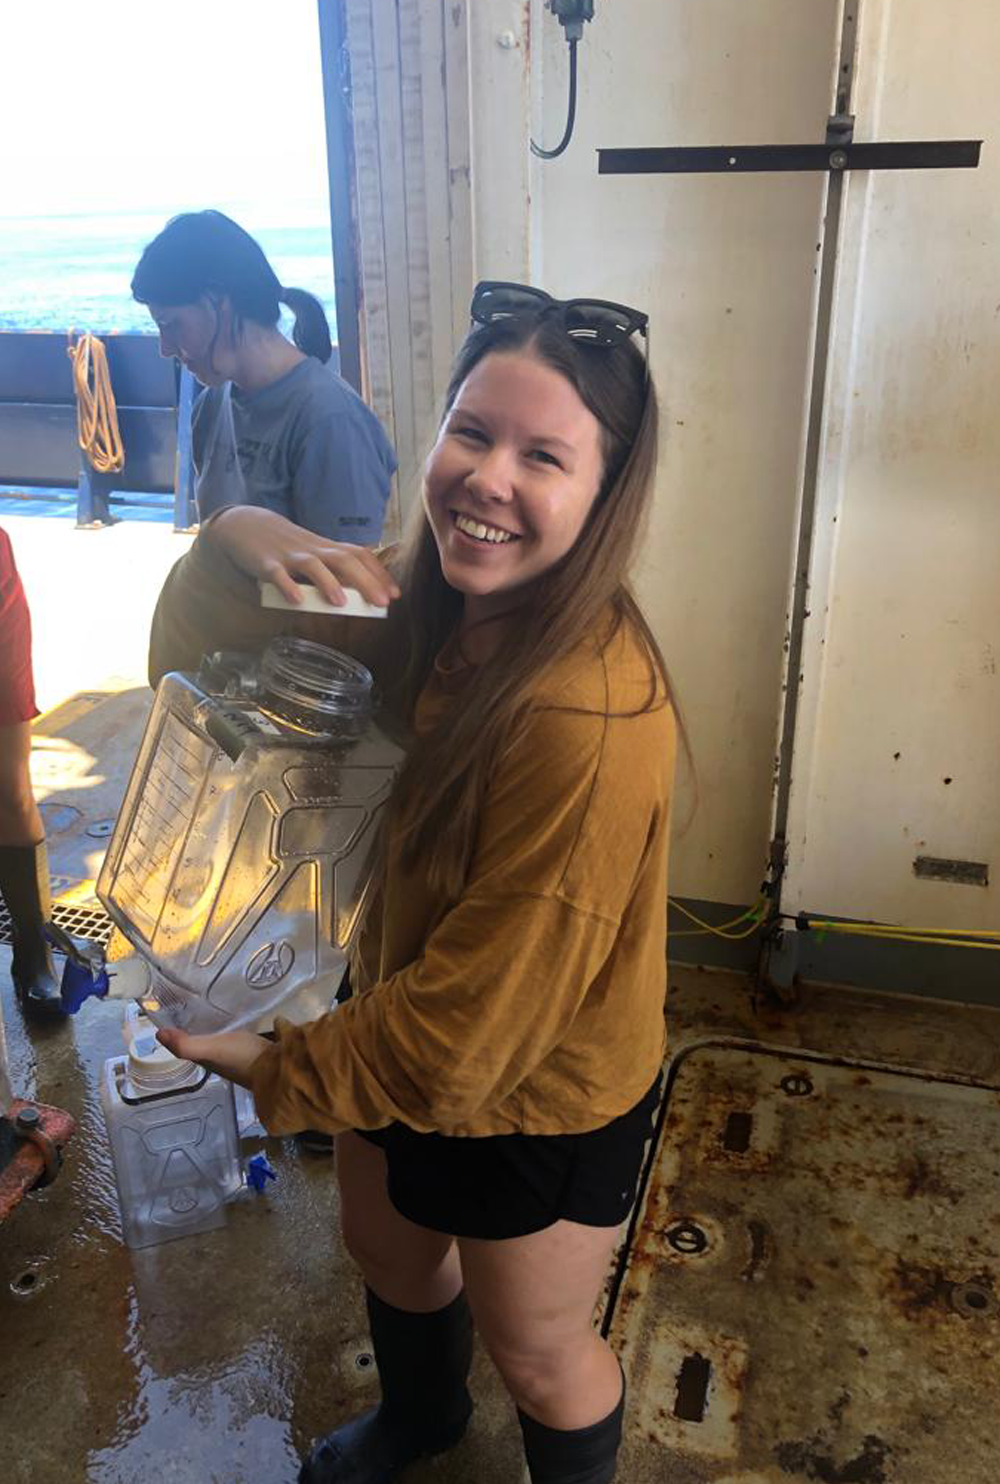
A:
(306, 446)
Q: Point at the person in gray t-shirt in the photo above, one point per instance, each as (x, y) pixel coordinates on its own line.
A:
(275, 426)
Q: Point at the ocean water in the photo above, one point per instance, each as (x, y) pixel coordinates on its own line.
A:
(73, 272)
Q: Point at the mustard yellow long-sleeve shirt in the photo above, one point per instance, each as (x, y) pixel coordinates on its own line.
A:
(536, 1002)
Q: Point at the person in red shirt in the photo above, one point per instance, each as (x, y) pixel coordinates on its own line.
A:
(24, 870)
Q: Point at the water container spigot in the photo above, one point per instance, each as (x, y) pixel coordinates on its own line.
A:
(84, 973)
(259, 1172)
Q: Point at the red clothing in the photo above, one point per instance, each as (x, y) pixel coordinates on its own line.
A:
(17, 684)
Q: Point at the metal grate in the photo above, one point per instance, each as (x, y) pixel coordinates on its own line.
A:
(79, 921)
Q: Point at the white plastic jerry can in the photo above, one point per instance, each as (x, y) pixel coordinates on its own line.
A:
(174, 1142)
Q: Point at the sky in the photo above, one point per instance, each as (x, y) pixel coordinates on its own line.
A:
(133, 105)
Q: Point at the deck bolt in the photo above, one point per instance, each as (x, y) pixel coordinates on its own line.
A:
(973, 1300)
(686, 1237)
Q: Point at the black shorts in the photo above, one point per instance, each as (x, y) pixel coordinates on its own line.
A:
(507, 1185)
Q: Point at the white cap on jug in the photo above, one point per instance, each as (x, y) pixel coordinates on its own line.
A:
(150, 1063)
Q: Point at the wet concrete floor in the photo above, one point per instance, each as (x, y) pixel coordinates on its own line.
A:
(218, 1358)
(213, 1358)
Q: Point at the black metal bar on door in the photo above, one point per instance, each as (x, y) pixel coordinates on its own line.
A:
(737, 159)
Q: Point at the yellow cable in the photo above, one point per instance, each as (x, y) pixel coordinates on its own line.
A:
(96, 413)
(706, 926)
(720, 930)
(716, 933)
(988, 938)
(887, 930)
(960, 938)
(923, 938)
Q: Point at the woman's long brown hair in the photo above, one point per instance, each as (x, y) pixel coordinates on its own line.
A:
(584, 596)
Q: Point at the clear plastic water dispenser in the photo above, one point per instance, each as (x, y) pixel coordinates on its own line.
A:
(245, 848)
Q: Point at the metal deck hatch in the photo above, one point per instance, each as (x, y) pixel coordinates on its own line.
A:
(812, 1288)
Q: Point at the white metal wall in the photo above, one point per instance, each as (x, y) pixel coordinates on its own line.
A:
(902, 643)
(898, 745)
(725, 267)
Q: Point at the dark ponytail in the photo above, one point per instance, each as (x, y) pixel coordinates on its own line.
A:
(206, 252)
(311, 332)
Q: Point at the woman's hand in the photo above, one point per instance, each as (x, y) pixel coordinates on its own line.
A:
(272, 549)
(230, 1053)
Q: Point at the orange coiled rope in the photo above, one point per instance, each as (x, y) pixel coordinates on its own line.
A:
(96, 413)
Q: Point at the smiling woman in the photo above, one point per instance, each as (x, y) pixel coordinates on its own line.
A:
(493, 1078)
(511, 479)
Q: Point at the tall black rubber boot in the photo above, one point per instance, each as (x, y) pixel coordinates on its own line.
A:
(586, 1455)
(423, 1363)
(24, 886)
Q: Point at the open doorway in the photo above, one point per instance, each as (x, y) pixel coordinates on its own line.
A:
(214, 106)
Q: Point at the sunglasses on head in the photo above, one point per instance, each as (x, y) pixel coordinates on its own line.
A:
(592, 321)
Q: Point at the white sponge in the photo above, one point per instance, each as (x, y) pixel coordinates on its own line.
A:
(314, 602)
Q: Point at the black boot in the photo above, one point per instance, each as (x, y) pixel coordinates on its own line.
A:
(24, 886)
(423, 1363)
(585, 1455)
